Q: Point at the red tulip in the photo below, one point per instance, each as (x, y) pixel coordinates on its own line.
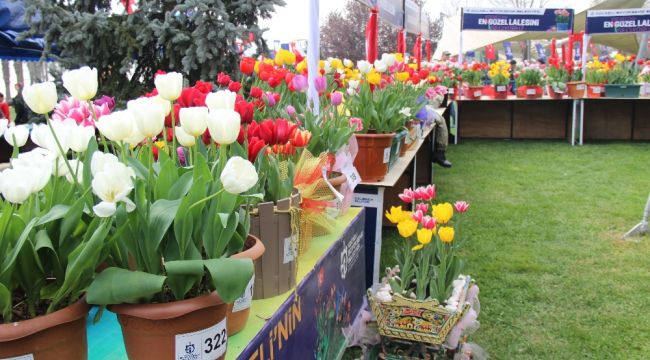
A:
(240, 137)
(191, 97)
(300, 138)
(266, 131)
(246, 110)
(223, 79)
(203, 86)
(256, 92)
(255, 145)
(281, 131)
(247, 65)
(424, 73)
(234, 86)
(274, 80)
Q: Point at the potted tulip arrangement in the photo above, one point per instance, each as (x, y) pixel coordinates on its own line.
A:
(499, 74)
(473, 76)
(529, 82)
(622, 77)
(427, 283)
(556, 80)
(53, 234)
(595, 77)
(576, 87)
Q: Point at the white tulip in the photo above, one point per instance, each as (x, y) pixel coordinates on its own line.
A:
(42, 136)
(20, 133)
(364, 66)
(41, 161)
(135, 138)
(224, 126)
(348, 63)
(184, 138)
(112, 185)
(169, 85)
(327, 67)
(389, 59)
(222, 99)
(165, 103)
(116, 126)
(41, 98)
(3, 125)
(16, 185)
(149, 116)
(80, 136)
(238, 176)
(77, 169)
(101, 161)
(194, 120)
(81, 83)
(406, 111)
(381, 66)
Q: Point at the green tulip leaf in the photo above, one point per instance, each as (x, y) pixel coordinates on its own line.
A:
(120, 286)
(230, 276)
(5, 303)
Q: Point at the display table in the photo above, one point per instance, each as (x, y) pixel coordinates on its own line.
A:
(376, 196)
(331, 277)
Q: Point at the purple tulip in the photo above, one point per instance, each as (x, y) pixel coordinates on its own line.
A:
(299, 83)
(321, 84)
(269, 99)
(181, 155)
(337, 98)
(291, 111)
(107, 100)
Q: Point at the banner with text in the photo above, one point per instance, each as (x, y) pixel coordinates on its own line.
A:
(529, 20)
(618, 21)
(314, 321)
(390, 11)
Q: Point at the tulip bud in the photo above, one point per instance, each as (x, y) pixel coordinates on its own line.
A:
(16, 185)
(222, 99)
(337, 98)
(389, 59)
(364, 66)
(80, 136)
(380, 66)
(194, 120)
(291, 111)
(169, 85)
(20, 133)
(41, 98)
(81, 83)
(238, 176)
(461, 206)
(184, 138)
(149, 116)
(224, 126)
(117, 126)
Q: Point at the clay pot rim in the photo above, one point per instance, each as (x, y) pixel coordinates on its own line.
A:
(388, 135)
(254, 252)
(575, 82)
(170, 310)
(21, 329)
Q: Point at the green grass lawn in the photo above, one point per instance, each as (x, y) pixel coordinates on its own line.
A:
(543, 242)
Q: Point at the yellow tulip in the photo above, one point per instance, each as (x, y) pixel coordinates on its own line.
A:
(417, 247)
(424, 236)
(336, 64)
(374, 77)
(443, 212)
(302, 66)
(399, 57)
(257, 67)
(446, 234)
(492, 73)
(407, 228)
(619, 57)
(396, 214)
(402, 76)
(321, 64)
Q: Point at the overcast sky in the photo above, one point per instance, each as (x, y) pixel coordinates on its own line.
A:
(291, 21)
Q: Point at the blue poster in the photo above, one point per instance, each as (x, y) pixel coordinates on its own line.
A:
(507, 46)
(529, 20)
(618, 21)
(313, 321)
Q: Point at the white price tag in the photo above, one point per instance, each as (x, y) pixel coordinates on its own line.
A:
(208, 344)
(386, 155)
(477, 93)
(353, 175)
(581, 87)
(22, 357)
(290, 248)
(531, 91)
(596, 90)
(244, 302)
(501, 88)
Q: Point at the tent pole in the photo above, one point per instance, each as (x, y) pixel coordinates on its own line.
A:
(460, 53)
(585, 46)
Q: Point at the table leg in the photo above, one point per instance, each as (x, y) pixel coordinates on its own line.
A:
(582, 119)
(573, 122)
(372, 198)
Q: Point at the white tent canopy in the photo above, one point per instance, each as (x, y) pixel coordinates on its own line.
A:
(474, 40)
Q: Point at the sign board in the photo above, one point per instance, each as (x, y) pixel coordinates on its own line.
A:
(390, 11)
(507, 46)
(412, 24)
(618, 21)
(314, 320)
(529, 20)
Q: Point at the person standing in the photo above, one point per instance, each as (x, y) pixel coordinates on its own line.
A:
(20, 108)
(4, 108)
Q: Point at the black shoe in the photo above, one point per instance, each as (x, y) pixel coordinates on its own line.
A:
(443, 162)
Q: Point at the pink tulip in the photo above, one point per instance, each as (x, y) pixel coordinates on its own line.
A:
(430, 192)
(320, 84)
(418, 216)
(337, 98)
(291, 111)
(461, 206)
(299, 83)
(357, 124)
(428, 222)
(422, 207)
(407, 196)
(80, 112)
(269, 98)
(181, 155)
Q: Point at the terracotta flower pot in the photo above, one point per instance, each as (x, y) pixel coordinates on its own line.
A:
(530, 92)
(240, 310)
(373, 156)
(555, 94)
(576, 89)
(59, 335)
(500, 92)
(595, 90)
(474, 92)
(166, 331)
(275, 269)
